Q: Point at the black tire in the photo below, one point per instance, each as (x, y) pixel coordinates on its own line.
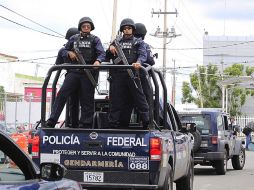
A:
(197, 140)
(168, 183)
(186, 182)
(221, 165)
(238, 161)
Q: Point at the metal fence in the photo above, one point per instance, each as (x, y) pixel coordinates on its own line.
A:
(243, 122)
(20, 111)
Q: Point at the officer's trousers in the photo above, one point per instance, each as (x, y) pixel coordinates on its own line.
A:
(123, 93)
(126, 113)
(75, 81)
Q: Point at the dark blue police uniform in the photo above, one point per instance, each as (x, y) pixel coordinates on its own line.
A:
(91, 49)
(74, 97)
(126, 114)
(123, 90)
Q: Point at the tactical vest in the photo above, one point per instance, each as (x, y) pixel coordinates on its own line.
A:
(130, 50)
(150, 59)
(87, 48)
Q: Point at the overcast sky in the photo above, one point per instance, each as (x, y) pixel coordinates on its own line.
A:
(217, 17)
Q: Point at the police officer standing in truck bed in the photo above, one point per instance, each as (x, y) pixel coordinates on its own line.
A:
(74, 98)
(93, 53)
(124, 89)
(125, 116)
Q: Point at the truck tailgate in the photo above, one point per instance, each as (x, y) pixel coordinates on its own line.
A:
(96, 150)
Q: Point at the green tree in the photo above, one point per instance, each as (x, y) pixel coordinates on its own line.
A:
(204, 82)
(2, 91)
(237, 94)
(249, 70)
(187, 93)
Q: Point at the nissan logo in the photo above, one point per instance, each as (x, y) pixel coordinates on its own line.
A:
(93, 135)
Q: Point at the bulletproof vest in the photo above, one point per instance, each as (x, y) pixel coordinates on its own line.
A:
(87, 48)
(149, 59)
(130, 50)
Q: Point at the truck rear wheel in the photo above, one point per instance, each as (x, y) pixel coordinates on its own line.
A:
(186, 182)
(221, 165)
(238, 161)
(197, 140)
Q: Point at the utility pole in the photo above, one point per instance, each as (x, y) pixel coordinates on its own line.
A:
(174, 85)
(36, 69)
(113, 33)
(199, 88)
(222, 68)
(165, 29)
(164, 34)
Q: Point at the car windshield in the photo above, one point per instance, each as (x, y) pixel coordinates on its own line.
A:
(9, 171)
(202, 121)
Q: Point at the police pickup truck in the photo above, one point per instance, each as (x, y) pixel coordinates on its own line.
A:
(133, 158)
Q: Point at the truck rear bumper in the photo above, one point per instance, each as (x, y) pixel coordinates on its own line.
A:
(209, 156)
(115, 179)
(119, 186)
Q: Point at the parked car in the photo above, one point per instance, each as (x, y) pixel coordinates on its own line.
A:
(215, 140)
(20, 172)
(2, 127)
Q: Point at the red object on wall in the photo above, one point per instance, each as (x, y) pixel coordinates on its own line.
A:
(33, 94)
(2, 117)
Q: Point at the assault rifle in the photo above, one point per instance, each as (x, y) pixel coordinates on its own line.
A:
(83, 62)
(121, 57)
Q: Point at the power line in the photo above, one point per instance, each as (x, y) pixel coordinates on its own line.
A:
(190, 16)
(190, 67)
(32, 21)
(212, 47)
(28, 60)
(29, 27)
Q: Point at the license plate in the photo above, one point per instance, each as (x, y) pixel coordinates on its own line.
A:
(96, 177)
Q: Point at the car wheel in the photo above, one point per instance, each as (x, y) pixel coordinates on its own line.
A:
(238, 161)
(221, 165)
(197, 140)
(186, 182)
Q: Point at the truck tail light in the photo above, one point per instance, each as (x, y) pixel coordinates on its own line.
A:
(155, 149)
(35, 147)
(214, 139)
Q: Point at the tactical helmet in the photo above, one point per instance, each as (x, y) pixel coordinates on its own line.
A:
(127, 22)
(85, 19)
(70, 32)
(140, 30)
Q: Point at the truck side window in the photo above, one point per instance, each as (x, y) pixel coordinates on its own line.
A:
(225, 119)
(177, 119)
(219, 123)
(172, 118)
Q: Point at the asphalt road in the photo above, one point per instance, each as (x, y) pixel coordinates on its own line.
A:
(205, 177)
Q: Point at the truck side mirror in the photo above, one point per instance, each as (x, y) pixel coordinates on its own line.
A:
(52, 171)
(189, 127)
